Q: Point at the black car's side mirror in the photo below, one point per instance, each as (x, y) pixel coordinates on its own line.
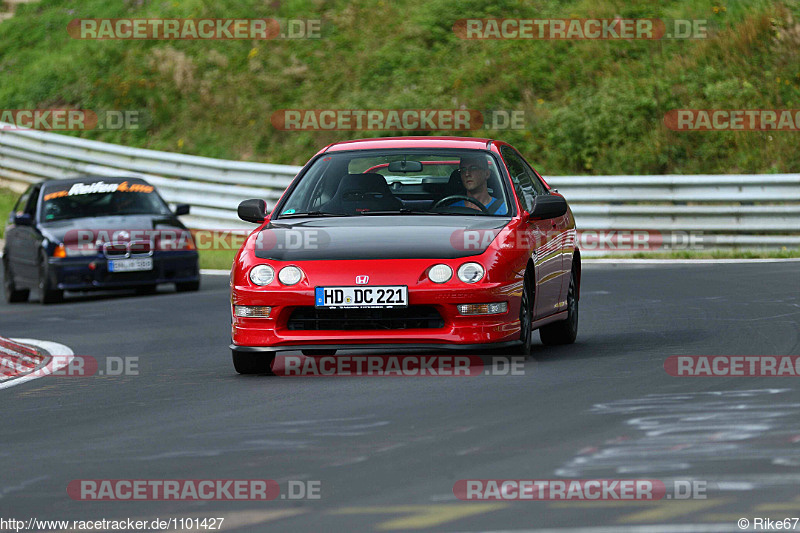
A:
(182, 209)
(254, 210)
(548, 206)
(24, 219)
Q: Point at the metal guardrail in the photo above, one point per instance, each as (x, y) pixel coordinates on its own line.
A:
(214, 187)
(748, 211)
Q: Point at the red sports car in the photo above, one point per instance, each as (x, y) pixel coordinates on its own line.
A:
(412, 242)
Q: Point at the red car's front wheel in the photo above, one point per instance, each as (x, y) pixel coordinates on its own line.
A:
(564, 331)
(526, 319)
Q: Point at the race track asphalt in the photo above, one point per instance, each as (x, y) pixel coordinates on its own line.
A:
(387, 451)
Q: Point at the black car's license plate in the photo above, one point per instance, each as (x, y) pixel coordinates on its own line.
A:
(130, 265)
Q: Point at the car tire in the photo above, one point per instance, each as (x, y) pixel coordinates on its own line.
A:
(253, 363)
(526, 319)
(188, 286)
(12, 294)
(564, 331)
(47, 294)
(318, 353)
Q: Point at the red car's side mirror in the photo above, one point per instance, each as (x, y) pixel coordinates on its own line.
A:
(254, 210)
(548, 206)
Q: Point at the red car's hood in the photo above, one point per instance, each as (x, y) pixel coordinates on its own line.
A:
(377, 237)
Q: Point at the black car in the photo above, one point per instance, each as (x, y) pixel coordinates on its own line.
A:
(91, 233)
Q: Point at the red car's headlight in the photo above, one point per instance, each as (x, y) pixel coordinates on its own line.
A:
(471, 272)
(262, 274)
(290, 275)
(440, 273)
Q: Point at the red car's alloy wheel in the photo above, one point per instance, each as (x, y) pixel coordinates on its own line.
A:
(564, 331)
(525, 319)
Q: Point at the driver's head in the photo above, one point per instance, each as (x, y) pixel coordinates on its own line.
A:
(474, 173)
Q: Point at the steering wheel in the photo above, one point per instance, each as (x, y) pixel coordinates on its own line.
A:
(456, 197)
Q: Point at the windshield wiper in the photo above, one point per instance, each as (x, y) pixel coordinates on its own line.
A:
(312, 214)
(398, 212)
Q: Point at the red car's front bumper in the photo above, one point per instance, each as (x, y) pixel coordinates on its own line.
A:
(276, 334)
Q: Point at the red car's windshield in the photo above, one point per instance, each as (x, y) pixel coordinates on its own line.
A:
(444, 182)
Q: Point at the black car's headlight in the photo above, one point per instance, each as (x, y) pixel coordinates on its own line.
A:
(80, 250)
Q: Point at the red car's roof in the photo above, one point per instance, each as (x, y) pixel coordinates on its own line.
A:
(471, 143)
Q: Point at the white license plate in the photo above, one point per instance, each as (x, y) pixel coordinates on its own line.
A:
(130, 265)
(376, 297)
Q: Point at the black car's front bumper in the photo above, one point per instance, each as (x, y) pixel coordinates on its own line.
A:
(91, 273)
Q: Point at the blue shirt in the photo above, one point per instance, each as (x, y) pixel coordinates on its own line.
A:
(502, 210)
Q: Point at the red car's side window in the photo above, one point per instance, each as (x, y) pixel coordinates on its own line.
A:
(519, 177)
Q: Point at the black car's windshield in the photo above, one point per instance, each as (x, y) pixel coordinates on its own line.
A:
(400, 182)
(99, 198)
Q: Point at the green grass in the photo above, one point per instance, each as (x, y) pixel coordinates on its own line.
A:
(592, 107)
(217, 259)
(7, 200)
(710, 254)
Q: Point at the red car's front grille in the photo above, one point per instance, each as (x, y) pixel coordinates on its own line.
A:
(412, 317)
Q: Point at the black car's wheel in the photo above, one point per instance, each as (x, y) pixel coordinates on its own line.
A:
(188, 286)
(253, 363)
(47, 294)
(564, 331)
(12, 293)
(318, 353)
(526, 319)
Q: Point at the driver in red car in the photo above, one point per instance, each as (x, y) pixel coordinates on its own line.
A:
(474, 177)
